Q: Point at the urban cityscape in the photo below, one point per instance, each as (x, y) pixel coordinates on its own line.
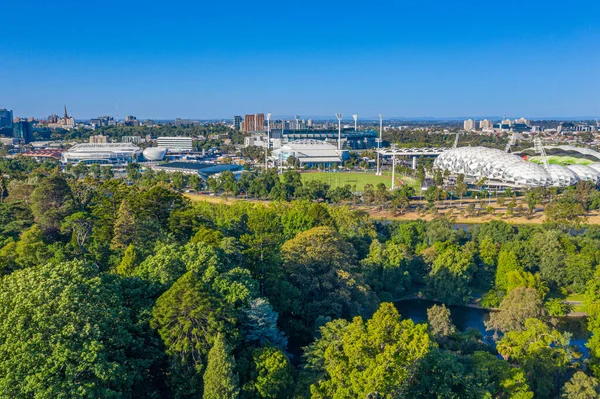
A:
(322, 200)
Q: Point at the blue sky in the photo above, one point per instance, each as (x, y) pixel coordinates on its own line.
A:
(215, 59)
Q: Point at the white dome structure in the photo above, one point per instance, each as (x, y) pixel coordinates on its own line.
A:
(585, 173)
(595, 166)
(154, 153)
(562, 176)
(495, 165)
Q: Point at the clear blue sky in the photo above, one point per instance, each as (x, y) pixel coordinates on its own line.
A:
(213, 59)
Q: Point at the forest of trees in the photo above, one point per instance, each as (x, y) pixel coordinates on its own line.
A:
(119, 290)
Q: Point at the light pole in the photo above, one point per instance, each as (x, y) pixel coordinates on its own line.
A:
(268, 142)
(379, 144)
(339, 118)
(393, 170)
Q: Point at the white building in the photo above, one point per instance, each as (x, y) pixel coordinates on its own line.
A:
(469, 125)
(311, 153)
(106, 153)
(175, 143)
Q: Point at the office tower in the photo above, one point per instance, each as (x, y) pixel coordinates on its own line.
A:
(486, 124)
(237, 122)
(469, 125)
(259, 122)
(6, 119)
(23, 130)
(249, 125)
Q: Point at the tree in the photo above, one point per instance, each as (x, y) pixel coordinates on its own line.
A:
(507, 262)
(451, 274)
(439, 321)
(129, 261)
(543, 353)
(31, 249)
(322, 268)
(80, 225)
(261, 325)
(51, 202)
(519, 305)
(581, 386)
(566, 212)
(272, 373)
(220, 381)
(133, 171)
(124, 229)
(83, 340)
(378, 355)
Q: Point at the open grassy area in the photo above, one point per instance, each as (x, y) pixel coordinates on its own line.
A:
(337, 179)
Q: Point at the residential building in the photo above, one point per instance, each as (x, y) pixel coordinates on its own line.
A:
(259, 122)
(486, 124)
(469, 125)
(249, 123)
(98, 139)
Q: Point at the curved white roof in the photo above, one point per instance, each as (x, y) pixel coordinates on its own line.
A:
(155, 153)
(562, 176)
(495, 165)
(585, 173)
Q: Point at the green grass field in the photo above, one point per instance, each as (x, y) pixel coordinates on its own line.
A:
(337, 179)
(562, 160)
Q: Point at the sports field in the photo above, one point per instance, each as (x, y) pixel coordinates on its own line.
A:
(562, 160)
(337, 179)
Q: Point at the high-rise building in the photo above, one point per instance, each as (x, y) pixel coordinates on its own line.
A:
(523, 121)
(23, 131)
(259, 122)
(249, 124)
(486, 124)
(237, 122)
(469, 125)
(98, 139)
(6, 119)
(175, 143)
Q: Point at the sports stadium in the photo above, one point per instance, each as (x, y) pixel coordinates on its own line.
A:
(505, 169)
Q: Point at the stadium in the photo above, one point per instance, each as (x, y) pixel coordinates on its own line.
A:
(505, 169)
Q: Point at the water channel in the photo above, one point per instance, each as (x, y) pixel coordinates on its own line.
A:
(465, 318)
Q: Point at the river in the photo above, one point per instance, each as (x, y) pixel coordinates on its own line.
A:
(465, 317)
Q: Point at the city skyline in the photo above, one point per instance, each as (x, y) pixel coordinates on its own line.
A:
(212, 62)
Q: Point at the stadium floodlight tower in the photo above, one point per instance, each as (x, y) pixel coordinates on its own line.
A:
(339, 118)
(268, 142)
(297, 118)
(355, 116)
(379, 144)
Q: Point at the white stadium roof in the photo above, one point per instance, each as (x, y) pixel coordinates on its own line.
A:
(510, 169)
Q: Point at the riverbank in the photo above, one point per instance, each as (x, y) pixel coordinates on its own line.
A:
(593, 218)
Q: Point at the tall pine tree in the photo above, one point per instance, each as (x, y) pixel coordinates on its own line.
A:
(124, 229)
(220, 382)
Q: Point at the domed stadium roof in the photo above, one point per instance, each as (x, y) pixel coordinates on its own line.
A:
(154, 153)
(562, 176)
(495, 164)
(595, 166)
(585, 173)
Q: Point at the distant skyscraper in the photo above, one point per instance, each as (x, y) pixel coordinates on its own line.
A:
(249, 125)
(6, 119)
(237, 122)
(486, 124)
(469, 125)
(23, 131)
(259, 122)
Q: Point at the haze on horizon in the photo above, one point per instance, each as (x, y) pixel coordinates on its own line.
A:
(207, 60)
